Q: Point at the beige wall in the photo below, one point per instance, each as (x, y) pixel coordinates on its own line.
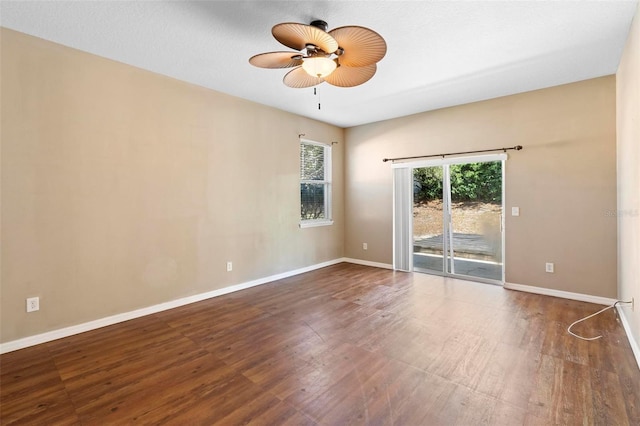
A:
(122, 189)
(564, 180)
(628, 131)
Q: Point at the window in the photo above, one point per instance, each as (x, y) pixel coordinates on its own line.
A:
(315, 184)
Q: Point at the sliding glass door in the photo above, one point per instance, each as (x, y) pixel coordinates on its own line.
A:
(457, 220)
(428, 219)
(475, 226)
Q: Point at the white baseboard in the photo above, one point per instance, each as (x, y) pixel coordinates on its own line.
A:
(126, 316)
(367, 263)
(559, 293)
(627, 328)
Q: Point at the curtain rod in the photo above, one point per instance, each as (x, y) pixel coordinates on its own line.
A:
(517, 148)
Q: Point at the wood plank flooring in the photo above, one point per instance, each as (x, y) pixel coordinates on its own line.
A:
(346, 344)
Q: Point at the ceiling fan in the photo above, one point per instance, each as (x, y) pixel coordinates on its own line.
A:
(344, 56)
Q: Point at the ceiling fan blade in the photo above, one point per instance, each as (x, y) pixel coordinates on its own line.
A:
(297, 36)
(299, 79)
(361, 45)
(275, 60)
(345, 76)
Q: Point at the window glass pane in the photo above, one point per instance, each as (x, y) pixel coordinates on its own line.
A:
(312, 201)
(311, 162)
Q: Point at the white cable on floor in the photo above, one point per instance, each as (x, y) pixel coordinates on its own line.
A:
(590, 316)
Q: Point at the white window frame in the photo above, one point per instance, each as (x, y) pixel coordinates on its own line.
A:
(328, 219)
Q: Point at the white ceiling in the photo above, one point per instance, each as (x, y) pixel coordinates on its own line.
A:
(439, 54)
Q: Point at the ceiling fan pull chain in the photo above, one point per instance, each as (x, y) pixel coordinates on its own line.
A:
(316, 93)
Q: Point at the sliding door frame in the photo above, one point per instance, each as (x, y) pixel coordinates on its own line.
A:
(403, 213)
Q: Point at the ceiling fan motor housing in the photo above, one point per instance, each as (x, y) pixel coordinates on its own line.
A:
(320, 24)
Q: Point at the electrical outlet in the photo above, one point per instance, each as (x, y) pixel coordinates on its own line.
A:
(229, 266)
(364, 246)
(548, 267)
(33, 304)
(630, 304)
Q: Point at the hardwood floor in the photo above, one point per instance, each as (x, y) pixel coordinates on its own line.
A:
(346, 344)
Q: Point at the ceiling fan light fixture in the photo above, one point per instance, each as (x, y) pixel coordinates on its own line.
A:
(343, 57)
(319, 66)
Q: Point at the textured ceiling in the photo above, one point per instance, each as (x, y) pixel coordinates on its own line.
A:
(439, 53)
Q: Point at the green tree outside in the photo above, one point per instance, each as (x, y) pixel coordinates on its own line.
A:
(469, 182)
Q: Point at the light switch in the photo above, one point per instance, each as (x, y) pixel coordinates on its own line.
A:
(515, 211)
